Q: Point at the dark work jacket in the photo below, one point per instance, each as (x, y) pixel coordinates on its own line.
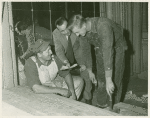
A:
(106, 36)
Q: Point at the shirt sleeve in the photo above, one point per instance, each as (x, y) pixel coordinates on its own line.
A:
(106, 34)
(31, 73)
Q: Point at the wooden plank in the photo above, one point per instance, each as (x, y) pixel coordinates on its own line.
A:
(139, 111)
(49, 104)
(137, 37)
(7, 53)
(9, 110)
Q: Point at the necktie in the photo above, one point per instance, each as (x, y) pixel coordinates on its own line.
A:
(69, 52)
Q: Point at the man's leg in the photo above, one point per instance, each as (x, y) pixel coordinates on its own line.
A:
(102, 96)
(118, 76)
(88, 86)
(78, 85)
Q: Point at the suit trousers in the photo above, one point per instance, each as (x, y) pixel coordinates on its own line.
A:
(78, 85)
(87, 85)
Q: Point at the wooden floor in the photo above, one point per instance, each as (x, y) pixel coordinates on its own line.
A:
(130, 110)
(28, 102)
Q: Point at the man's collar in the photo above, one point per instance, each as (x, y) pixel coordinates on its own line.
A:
(93, 25)
(40, 63)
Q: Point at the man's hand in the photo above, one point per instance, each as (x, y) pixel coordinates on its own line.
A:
(66, 62)
(65, 93)
(68, 65)
(109, 86)
(92, 77)
(82, 68)
(64, 68)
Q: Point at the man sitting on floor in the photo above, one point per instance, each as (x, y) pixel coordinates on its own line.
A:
(44, 74)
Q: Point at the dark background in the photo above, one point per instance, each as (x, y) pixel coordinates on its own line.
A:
(47, 12)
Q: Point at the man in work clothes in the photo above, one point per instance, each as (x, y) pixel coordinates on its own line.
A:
(44, 74)
(110, 45)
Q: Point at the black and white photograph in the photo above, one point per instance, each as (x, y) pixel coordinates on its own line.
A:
(74, 58)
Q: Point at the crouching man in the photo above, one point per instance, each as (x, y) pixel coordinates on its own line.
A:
(44, 72)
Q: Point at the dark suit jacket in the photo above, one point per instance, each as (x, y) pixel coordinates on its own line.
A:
(61, 44)
(81, 48)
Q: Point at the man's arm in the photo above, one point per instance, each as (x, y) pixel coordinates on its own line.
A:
(70, 84)
(41, 89)
(67, 76)
(34, 83)
(106, 34)
(59, 49)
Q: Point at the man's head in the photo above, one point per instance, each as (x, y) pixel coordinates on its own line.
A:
(46, 54)
(41, 48)
(21, 26)
(61, 24)
(77, 24)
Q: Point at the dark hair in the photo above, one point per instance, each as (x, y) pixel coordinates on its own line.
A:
(60, 21)
(23, 25)
(75, 20)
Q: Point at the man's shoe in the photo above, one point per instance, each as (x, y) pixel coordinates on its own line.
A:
(88, 102)
(102, 106)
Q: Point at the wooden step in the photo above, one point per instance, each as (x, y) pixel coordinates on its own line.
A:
(130, 110)
(49, 104)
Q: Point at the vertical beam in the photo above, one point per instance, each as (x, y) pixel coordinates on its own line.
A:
(137, 37)
(117, 12)
(50, 19)
(125, 15)
(114, 11)
(66, 9)
(122, 14)
(8, 49)
(102, 9)
(33, 20)
(130, 29)
(81, 9)
(94, 8)
(109, 10)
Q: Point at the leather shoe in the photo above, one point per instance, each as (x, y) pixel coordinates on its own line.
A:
(102, 106)
(88, 102)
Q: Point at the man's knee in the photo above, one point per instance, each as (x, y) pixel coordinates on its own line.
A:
(85, 76)
(78, 81)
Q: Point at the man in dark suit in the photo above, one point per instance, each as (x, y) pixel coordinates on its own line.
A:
(61, 38)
